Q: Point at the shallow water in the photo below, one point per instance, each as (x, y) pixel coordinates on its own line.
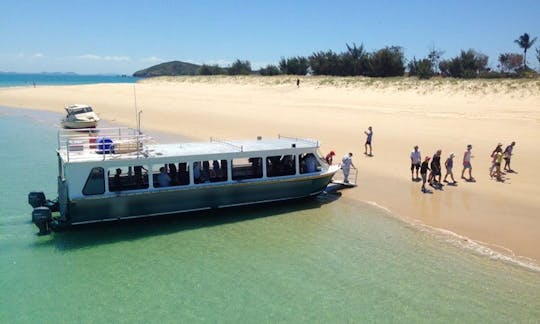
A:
(321, 260)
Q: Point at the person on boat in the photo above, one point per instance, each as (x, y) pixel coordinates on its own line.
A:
(311, 163)
(196, 171)
(163, 178)
(330, 157)
(116, 180)
(346, 165)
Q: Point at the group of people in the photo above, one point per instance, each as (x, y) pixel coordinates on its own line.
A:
(433, 165)
(346, 164)
(497, 157)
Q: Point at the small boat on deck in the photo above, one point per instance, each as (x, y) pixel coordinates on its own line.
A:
(80, 116)
(113, 174)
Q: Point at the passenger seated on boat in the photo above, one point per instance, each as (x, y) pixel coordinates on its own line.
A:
(287, 165)
(197, 172)
(183, 174)
(256, 166)
(164, 180)
(215, 173)
(117, 184)
(224, 170)
(310, 163)
(139, 177)
(173, 173)
(205, 174)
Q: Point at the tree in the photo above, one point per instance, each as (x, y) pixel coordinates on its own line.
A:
(325, 63)
(467, 65)
(270, 70)
(388, 61)
(423, 68)
(538, 54)
(510, 62)
(240, 68)
(294, 65)
(525, 42)
(355, 61)
(211, 70)
(434, 57)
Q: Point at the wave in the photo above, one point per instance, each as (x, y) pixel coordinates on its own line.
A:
(491, 251)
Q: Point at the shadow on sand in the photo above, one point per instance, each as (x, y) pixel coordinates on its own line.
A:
(82, 236)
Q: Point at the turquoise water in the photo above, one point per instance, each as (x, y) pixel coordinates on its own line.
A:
(29, 79)
(322, 260)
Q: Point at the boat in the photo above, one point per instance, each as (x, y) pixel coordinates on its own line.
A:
(120, 173)
(80, 116)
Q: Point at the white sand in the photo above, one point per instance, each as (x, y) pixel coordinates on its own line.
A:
(445, 114)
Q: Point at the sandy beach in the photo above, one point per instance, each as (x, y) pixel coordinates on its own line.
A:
(435, 114)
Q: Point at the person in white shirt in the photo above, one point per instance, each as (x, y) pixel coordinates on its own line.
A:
(346, 166)
(467, 163)
(415, 162)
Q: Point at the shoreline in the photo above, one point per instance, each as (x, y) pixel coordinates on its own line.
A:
(499, 214)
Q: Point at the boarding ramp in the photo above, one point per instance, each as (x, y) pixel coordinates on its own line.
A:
(339, 178)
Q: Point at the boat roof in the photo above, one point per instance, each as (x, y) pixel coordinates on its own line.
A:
(76, 106)
(79, 147)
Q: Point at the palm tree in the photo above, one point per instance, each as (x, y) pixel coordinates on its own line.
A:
(525, 42)
(538, 54)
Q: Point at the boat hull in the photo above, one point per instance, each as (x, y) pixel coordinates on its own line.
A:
(207, 196)
(79, 125)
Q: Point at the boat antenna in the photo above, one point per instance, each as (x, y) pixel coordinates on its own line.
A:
(137, 112)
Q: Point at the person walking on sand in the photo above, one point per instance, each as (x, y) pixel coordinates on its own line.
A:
(494, 158)
(415, 162)
(449, 164)
(498, 162)
(369, 136)
(467, 156)
(330, 157)
(346, 166)
(435, 169)
(424, 168)
(507, 155)
(298, 83)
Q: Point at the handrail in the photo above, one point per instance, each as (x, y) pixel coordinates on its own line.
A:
(240, 147)
(123, 141)
(308, 140)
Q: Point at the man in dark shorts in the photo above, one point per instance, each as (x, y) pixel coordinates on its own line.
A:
(435, 169)
(424, 168)
(415, 162)
(369, 136)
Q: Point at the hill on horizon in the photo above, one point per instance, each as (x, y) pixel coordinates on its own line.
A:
(168, 69)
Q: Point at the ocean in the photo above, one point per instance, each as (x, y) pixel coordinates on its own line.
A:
(324, 260)
(39, 79)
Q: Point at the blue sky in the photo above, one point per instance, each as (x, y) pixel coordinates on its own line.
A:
(94, 37)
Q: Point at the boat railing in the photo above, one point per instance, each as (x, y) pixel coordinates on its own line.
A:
(238, 147)
(299, 139)
(106, 142)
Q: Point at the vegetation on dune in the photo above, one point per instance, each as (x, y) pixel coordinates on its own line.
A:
(356, 61)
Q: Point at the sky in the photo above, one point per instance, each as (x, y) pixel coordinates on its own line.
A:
(121, 37)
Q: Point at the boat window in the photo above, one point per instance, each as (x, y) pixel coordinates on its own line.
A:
(95, 183)
(128, 178)
(280, 165)
(309, 163)
(247, 168)
(210, 171)
(169, 175)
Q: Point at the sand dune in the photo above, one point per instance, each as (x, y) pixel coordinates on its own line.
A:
(438, 113)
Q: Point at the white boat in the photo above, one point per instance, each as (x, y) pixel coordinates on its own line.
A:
(111, 174)
(80, 116)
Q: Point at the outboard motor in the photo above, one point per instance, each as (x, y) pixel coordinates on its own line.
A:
(36, 199)
(42, 216)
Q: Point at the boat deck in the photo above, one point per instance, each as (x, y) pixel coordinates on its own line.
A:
(89, 145)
